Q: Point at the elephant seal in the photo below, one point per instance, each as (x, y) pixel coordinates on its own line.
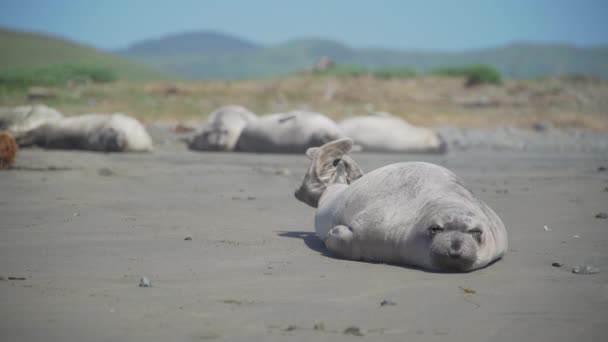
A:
(291, 132)
(222, 130)
(19, 120)
(415, 214)
(383, 132)
(95, 132)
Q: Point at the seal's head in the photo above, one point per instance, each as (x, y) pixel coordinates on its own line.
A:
(213, 138)
(455, 238)
(324, 161)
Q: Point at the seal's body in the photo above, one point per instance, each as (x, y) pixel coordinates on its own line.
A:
(416, 214)
(95, 132)
(292, 132)
(386, 133)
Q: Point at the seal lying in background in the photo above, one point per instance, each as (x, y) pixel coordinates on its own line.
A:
(291, 132)
(386, 133)
(96, 132)
(416, 214)
(19, 120)
(222, 130)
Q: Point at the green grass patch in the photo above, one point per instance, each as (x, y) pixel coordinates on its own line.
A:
(394, 73)
(474, 74)
(55, 75)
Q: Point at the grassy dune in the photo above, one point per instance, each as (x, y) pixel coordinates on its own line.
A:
(27, 51)
(429, 100)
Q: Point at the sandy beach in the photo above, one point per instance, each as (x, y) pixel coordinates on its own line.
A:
(82, 228)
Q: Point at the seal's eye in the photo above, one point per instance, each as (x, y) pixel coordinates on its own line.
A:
(336, 162)
(434, 230)
(476, 233)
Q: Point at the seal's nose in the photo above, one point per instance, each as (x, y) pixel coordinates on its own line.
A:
(454, 254)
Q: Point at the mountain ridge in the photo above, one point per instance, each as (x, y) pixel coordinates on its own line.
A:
(514, 60)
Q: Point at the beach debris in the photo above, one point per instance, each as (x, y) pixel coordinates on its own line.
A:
(40, 93)
(188, 238)
(467, 290)
(542, 126)
(387, 302)
(319, 326)
(353, 330)
(16, 278)
(104, 171)
(601, 169)
(8, 150)
(291, 327)
(181, 128)
(585, 269)
(601, 215)
(576, 236)
(76, 214)
(547, 229)
(282, 172)
(557, 264)
(144, 282)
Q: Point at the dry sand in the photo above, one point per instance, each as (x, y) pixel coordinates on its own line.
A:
(84, 231)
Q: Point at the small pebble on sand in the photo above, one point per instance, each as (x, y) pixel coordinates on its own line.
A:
(557, 264)
(601, 168)
(601, 215)
(144, 282)
(353, 331)
(387, 302)
(188, 238)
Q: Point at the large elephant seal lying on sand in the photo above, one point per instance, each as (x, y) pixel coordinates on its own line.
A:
(96, 132)
(19, 120)
(222, 130)
(415, 214)
(291, 132)
(386, 133)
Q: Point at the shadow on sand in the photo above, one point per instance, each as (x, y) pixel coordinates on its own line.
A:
(310, 239)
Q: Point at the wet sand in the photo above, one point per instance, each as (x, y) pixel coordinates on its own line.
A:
(82, 228)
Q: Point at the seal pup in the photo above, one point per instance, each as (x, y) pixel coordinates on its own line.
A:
(414, 213)
(291, 132)
(383, 132)
(21, 119)
(222, 129)
(95, 132)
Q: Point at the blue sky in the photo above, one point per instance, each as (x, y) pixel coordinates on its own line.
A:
(448, 25)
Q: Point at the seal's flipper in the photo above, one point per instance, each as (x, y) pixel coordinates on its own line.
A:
(325, 160)
(339, 176)
(338, 241)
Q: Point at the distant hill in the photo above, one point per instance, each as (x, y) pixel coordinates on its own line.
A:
(21, 50)
(192, 43)
(208, 55)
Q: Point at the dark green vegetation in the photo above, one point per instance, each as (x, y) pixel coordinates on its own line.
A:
(227, 57)
(34, 57)
(474, 74)
(351, 70)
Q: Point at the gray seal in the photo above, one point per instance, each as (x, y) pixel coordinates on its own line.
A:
(222, 129)
(416, 214)
(292, 132)
(95, 132)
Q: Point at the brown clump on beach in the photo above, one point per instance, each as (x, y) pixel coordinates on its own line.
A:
(8, 150)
